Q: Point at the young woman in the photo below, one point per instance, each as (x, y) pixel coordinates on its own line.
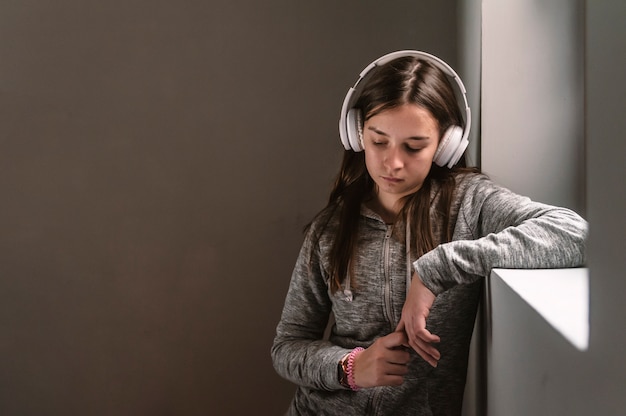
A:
(402, 245)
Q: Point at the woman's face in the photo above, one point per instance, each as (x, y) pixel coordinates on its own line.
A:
(399, 146)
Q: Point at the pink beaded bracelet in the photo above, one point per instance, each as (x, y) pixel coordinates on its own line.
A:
(350, 372)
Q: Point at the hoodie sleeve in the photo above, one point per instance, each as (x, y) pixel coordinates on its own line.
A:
(508, 231)
(299, 352)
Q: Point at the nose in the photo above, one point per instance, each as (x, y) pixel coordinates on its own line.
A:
(393, 159)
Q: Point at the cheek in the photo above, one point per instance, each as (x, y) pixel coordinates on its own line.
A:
(369, 164)
(429, 154)
(424, 162)
(370, 159)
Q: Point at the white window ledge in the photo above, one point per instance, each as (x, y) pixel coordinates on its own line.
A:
(560, 296)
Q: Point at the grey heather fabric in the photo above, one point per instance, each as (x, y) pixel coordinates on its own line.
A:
(494, 228)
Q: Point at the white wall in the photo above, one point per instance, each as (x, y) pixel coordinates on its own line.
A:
(605, 89)
(533, 368)
(537, 107)
(532, 141)
(532, 98)
(469, 41)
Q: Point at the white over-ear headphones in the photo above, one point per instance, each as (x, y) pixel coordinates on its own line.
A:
(453, 142)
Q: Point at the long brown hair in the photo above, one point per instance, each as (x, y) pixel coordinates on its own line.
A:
(407, 80)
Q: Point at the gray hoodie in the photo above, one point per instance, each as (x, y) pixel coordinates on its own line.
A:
(493, 228)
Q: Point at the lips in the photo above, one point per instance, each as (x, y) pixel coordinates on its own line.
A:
(391, 179)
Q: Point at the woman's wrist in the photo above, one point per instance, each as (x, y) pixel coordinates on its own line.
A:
(342, 370)
(350, 368)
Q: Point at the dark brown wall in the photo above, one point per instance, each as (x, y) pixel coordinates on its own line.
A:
(158, 160)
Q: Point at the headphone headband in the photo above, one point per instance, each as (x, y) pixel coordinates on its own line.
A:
(351, 140)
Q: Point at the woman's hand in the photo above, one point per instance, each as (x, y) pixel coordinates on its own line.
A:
(413, 321)
(384, 363)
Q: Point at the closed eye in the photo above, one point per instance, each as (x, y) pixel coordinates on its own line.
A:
(413, 149)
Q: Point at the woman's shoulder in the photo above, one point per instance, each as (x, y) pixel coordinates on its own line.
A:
(474, 187)
(467, 177)
(473, 180)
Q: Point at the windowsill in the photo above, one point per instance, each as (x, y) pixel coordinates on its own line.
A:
(560, 296)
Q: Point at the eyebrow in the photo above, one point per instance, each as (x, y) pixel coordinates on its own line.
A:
(382, 133)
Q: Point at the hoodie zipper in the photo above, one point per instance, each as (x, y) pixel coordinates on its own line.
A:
(387, 282)
(376, 396)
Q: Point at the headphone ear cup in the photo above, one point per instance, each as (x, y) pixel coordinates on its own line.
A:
(448, 146)
(354, 128)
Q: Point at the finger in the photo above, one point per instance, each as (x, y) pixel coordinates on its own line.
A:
(403, 338)
(399, 357)
(426, 336)
(420, 345)
(425, 355)
(426, 350)
(410, 336)
(398, 370)
(407, 328)
(400, 326)
(419, 331)
(395, 339)
(428, 347)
